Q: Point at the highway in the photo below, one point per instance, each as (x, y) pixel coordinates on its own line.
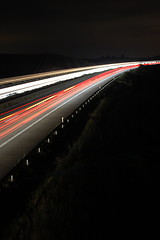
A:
(30, 77)
(24, 126)
(37, 84)
(30, 82)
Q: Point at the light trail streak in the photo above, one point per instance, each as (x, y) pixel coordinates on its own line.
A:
(17, 89)
(56, 72)
(5, 92)
(25, 113)
(91, 79)
(63, 103)
(19, 125)
(23, 116)
(68, 89)
(14, 109)
(41, 102)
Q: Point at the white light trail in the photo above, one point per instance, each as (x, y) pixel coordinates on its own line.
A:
(21, 88)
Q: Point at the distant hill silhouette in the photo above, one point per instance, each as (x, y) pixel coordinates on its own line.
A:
(21, 64)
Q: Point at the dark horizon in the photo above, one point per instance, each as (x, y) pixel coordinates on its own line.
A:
(107, 55)
(121, 56)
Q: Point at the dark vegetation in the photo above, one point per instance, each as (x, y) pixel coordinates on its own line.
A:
(107, 180)
(22, 64)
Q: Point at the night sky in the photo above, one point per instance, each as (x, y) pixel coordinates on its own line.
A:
(81, 29)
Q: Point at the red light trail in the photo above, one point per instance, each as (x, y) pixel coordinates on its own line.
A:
(18, 117)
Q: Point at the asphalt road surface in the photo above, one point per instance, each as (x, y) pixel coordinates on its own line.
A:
(26, 125)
